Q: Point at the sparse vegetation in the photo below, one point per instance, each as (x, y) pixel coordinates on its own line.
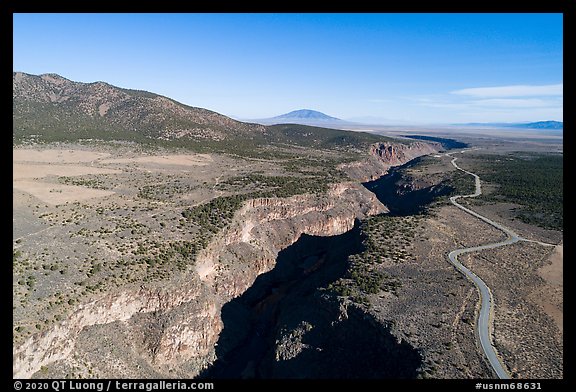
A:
(279, 186)
(534, 181)
(387, 241)
(95, 183)
(164, 191)
(461, 183)
(216, 214)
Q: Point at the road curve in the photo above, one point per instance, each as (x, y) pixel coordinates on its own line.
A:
(483, 325)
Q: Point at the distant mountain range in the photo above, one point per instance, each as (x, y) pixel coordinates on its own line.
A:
(531, 125)
(49, 107)
(305, 117)
(319, 119)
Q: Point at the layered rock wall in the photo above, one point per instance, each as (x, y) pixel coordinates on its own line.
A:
(385, 155)
(224, 270)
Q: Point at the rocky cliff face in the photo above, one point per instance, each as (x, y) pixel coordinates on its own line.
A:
(265, 226)
(184, 313)
(58, 342)
(385, 155)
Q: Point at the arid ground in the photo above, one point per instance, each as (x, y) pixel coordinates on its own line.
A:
(88, 218)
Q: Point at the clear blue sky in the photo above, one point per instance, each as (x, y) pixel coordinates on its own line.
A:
(415, 68)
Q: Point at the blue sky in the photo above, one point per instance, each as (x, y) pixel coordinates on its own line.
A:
(397, 68)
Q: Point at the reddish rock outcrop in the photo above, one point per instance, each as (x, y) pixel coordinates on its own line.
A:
(385, 155)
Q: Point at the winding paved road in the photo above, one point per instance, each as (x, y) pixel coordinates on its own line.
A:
(484, 325)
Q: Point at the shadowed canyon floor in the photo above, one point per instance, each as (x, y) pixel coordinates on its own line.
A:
(285, 326)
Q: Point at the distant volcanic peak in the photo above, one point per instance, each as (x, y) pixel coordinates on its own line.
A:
(307, 114)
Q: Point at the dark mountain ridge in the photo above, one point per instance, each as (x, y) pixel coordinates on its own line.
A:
(50, 107)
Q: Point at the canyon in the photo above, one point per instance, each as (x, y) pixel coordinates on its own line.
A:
(172, 327)
(152, 239)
